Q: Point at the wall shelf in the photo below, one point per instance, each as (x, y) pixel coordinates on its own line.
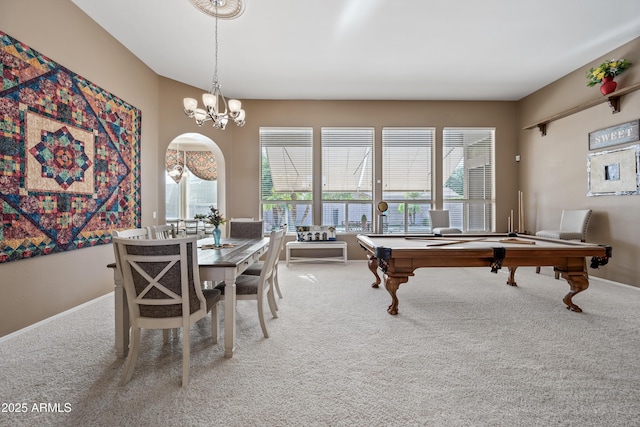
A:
(613, 99)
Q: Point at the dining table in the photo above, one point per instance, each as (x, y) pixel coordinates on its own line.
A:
(223, 263)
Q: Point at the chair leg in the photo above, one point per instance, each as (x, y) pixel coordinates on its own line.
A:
(276, 282)
(271, 298)
(538, 270)
(261, 317)
(132, 356)
(186, 354)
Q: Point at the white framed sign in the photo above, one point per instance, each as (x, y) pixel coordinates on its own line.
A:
(614, 172)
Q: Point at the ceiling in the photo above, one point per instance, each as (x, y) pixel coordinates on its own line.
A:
(372, 49)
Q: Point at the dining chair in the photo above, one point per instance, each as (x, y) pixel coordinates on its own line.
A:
(191, 227)
(163, 232)
(208, 229)
(176, 225)
(162, 284)
(573, 226)
(259, 288)
(255, 269)
(246, 229)
(440, 222)
(166, 231)
(132, 233)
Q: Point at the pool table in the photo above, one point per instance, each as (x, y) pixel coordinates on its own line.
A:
(399, 255)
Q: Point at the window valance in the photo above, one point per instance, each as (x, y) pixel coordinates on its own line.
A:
(201, 163)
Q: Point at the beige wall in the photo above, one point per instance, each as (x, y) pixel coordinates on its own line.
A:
(37, 288)
(553, 174)
(34, 289)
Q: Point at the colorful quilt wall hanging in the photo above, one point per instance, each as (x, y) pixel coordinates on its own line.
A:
(69, 158)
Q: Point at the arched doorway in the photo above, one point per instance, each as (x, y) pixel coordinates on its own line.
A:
(194, 176)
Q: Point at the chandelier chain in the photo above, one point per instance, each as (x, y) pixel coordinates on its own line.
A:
(215, 67)
(215, 108)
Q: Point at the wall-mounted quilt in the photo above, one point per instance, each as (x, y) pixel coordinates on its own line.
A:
(69, 157)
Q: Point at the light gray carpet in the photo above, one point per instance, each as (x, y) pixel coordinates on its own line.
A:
(465, 350)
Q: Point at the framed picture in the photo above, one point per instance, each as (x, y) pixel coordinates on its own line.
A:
(615, 135)
(614, 172)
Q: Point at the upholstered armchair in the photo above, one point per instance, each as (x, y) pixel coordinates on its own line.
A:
(573, 226)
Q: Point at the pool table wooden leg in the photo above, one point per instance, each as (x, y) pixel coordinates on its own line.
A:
(392, 283)
(578, 282)
(511, 281)
(373, 266)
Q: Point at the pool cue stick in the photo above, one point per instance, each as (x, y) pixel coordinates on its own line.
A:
(517, 241)
(512, 223)
(429, 238)
(458, 241)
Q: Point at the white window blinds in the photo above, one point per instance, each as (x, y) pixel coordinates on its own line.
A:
(287, 162)
(407, 159)
(347, 163)
(468, 163)
(468, 175)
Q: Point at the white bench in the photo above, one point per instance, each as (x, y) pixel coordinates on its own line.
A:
(332, 244)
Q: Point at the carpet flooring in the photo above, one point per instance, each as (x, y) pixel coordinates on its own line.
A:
(464, 350)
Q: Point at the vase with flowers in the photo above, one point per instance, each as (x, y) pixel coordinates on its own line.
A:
(605, 73)
(215, 218)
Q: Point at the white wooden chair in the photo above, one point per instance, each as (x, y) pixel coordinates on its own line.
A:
(132, 233)
(255, 269)
(259, 288)
(162, 283)
(192, 227)
(208, 229)
(166, 231)
(176, 225)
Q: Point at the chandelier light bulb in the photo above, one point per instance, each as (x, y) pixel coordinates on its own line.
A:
(190, 106)
(210, 101)
(234, 105)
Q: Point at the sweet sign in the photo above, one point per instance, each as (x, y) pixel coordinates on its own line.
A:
(620, 134)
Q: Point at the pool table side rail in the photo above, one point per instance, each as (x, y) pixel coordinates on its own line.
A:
(554, 253)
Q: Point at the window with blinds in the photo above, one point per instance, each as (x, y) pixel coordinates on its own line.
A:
(347, 178)
(347, 163)
(468, 177)
(407, 159)
(286, 177)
